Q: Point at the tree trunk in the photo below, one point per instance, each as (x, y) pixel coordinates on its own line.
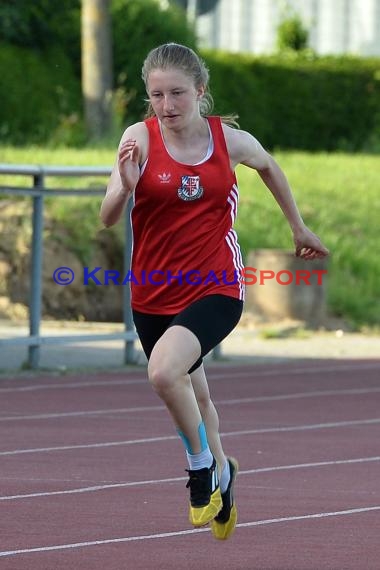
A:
(97, 66)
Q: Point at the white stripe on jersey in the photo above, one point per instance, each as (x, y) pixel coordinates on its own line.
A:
(233, 199)
(232, 241)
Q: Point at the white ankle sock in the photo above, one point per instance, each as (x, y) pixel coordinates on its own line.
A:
(225, 477)
(200, 460)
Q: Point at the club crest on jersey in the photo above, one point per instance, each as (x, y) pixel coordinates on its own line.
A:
(190, 188)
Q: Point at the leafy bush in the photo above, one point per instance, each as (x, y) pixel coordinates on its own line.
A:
(293, 100)
(292, 34)
(37, 95)
(39, 25)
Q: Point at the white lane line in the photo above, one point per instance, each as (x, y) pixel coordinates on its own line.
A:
(82, 413)
(93, 488)
(329, 425)
(231, 402)
(173, 534)
(211, 374)
(300, 395)
(68, 385)
(109, 486)
(277, 429)
(89, 445)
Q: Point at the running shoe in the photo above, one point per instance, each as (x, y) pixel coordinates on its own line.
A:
(205, 497)
(223, 525)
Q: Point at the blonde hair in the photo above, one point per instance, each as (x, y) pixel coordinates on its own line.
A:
(177, 56)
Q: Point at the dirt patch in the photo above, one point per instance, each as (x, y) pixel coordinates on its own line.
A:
(72, 302)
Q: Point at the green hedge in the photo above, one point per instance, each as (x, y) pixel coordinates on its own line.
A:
(301, 101)
(39, 95)
(290, 101)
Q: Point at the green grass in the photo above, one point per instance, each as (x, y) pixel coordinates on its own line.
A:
(80, 216)
(338, 196)
(57, 157)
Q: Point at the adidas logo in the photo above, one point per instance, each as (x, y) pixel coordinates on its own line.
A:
(165, 177)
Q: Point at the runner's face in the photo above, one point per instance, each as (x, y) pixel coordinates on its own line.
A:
(173, 96)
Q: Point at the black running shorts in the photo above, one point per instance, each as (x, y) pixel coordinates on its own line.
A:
(211, 319)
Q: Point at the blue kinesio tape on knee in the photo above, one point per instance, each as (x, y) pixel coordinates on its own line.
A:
(186, 442)
(202, 436)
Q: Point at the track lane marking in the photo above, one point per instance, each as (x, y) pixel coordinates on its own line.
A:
(211, 374)
(230, 402)
(99, 542)
(277, 429)
(68, 385)
(109, 486)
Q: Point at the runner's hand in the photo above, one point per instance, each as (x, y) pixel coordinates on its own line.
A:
(308, 245)
(128, 163)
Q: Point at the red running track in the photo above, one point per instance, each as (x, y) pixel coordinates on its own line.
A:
(92, 472)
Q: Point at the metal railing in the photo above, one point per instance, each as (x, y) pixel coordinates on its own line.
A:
(38, 192)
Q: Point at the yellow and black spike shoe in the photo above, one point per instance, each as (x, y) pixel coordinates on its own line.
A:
(223, 525)
(205, 496)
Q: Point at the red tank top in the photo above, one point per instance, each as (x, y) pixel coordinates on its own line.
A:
(184, 246)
